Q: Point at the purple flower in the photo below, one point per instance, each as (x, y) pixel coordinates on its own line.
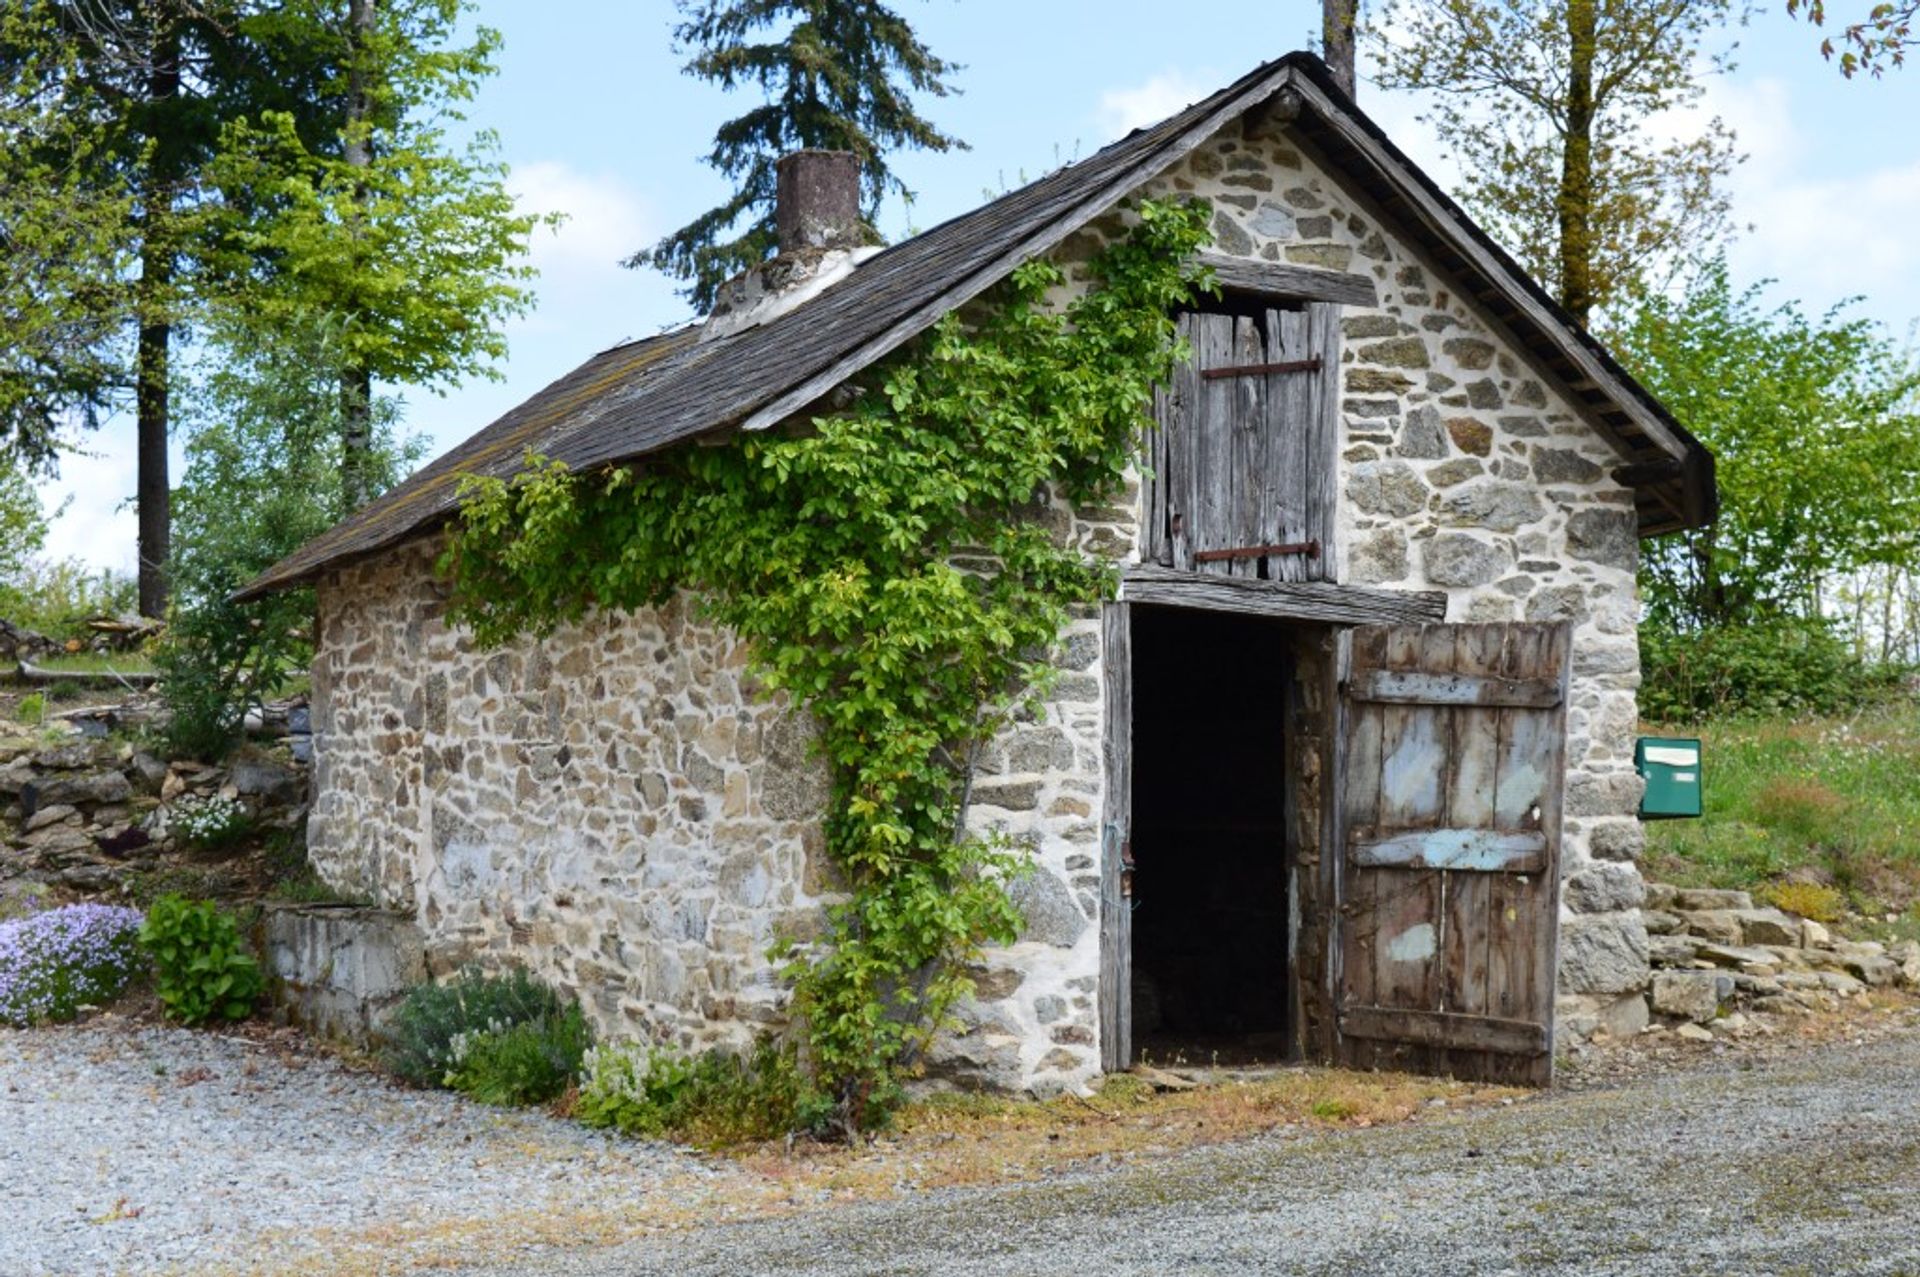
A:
(53, 963)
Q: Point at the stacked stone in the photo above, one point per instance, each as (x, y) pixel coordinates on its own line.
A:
(615, 806)
(87, 815)
(1715, 952)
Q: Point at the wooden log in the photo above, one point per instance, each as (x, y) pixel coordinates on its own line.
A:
(1321, 601)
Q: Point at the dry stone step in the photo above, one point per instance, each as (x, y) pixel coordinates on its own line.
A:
(1671, 951)
(1767, 926)
(1691, 995)
(1733, 955)
(1722, 926)
(1693, 898)
(1659, 922)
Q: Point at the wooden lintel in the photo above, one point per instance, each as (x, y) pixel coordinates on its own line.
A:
(1321, 601)
(1520, 851)
(1445, 1029)
(1297, 283)
(1418, 687)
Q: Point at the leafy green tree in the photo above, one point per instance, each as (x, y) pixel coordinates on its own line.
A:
(1545, 104)
(837, 75)
(1816, 433)
(64, 244)
(1878, 41)
(264, 476)
(376, 219)
(144, 88)
(23, 530)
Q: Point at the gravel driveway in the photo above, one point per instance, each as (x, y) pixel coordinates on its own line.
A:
(145, 1150)
(1808, 1163)
(154, 1150)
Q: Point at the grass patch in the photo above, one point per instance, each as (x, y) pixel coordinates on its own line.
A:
(960, 1139)
(1794, 807)
(96, 663)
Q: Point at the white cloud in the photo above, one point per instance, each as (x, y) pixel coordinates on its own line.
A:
(1822, 236)
(91, 500)
(1123, 110)
(605, 222)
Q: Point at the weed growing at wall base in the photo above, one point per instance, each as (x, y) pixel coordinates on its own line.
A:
(54, 963)
(506, 1039)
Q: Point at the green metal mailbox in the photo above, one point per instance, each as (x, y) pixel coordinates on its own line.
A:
(1671, 767)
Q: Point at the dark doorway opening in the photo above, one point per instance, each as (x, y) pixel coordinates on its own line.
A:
(1208, 829)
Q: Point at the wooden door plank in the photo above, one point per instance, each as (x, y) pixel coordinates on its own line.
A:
(1213, 524)
(1407, 901)
(1116, 917)
(1360, 778)
(1292, 406)
(1475, 733)
(1248, 439)
(1444, 1029)
(1322, 451)
(1154, 547)
(1545, 957)
(1183, 449)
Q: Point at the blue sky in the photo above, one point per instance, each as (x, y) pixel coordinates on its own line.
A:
(598, 123)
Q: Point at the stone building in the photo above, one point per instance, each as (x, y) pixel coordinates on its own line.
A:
(1344, 772)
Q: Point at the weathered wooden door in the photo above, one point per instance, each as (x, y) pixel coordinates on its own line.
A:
(1446, 886)
(1243, 460)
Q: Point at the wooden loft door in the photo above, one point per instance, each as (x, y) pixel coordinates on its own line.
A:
(1244, 457)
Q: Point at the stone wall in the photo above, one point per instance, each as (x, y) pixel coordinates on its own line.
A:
(612, 806)
(616, 808)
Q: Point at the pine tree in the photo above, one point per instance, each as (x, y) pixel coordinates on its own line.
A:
(841, 77)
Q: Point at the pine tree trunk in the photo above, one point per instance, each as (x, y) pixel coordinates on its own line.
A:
(153, 495)
(1336, 40)
(1575, 203)
(356, 381)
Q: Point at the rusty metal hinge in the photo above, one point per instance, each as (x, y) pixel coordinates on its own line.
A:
(1309, 548)
(1261, 370)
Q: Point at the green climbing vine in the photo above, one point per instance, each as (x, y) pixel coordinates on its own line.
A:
(893, 568)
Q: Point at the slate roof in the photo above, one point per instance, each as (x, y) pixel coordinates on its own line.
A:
(646, 395)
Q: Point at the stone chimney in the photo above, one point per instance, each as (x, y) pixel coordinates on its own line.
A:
(817, 220)
(817, 200)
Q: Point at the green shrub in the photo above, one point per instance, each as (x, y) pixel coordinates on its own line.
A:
(201, 967)
(505, 1039)
(1778, 666)
(32, 709)
(527, 1063)
(711, 1100)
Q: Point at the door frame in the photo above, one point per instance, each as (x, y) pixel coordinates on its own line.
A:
(1320, 612)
